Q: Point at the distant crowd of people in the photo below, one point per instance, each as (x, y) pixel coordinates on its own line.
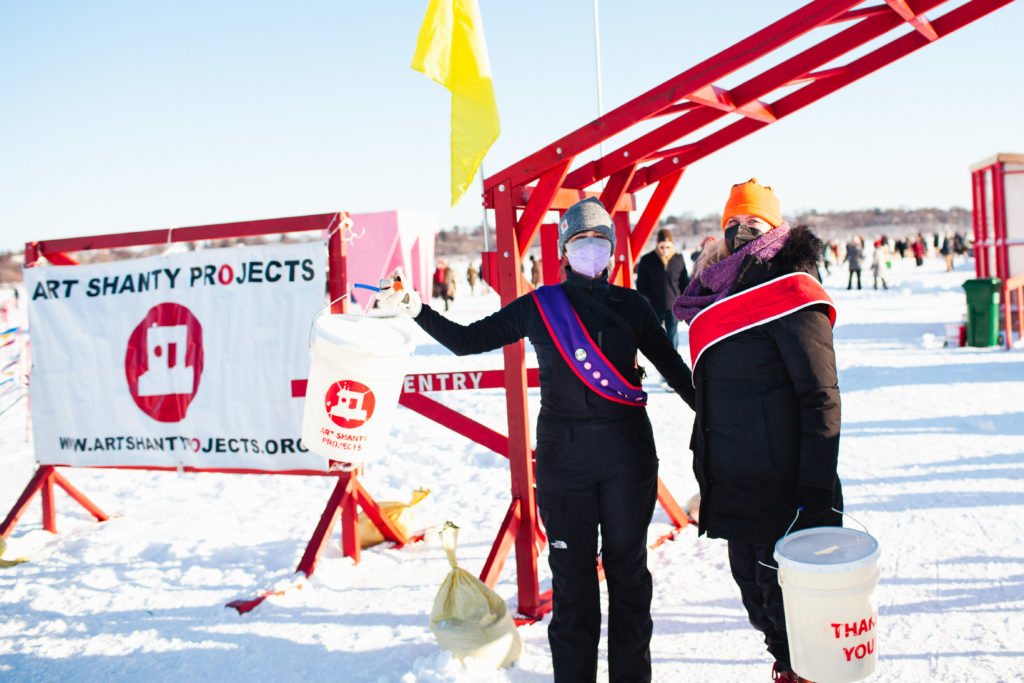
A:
(662, 273)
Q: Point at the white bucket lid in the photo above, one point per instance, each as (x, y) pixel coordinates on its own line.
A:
(826, 550)
(378, 335)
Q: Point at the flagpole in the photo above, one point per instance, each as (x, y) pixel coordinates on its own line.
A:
(483, 205)
(597, 65)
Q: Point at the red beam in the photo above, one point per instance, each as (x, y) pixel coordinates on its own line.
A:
(456, 421)
(215, 231)
(539, 204)
(719, 98)
(551, 260)
(855, 14)
(812, 92)
(917, 21)
(652, 212)
(818, 75)
(616, 189)
(670, 92)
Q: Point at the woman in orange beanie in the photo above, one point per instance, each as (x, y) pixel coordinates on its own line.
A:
(766, 435)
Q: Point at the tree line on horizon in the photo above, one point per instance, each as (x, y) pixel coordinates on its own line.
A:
(688, 230)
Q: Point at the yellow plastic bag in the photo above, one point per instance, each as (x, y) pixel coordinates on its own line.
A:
(8, 563)
(400, 514)
(470, 619)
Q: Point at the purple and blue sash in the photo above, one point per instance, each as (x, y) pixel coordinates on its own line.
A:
(579, 350)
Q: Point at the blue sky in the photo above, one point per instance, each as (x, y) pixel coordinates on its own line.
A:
(122, 116)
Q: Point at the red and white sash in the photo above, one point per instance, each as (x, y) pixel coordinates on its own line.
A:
(755, 306)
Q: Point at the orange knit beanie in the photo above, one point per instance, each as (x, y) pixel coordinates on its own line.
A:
(753, 199)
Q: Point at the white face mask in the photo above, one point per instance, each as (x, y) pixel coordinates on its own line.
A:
(588, 256)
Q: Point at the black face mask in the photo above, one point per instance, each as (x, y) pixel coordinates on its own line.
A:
(737, 234)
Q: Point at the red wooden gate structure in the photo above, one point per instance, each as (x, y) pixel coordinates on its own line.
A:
(523, 194)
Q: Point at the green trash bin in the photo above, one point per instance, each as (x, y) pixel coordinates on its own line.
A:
(983, 311)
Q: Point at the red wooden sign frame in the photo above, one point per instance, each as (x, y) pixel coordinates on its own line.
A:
(348, 494)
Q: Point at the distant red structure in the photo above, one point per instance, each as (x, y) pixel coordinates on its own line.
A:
(998, 217)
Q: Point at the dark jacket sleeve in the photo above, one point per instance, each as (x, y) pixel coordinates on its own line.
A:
(507, 325)
(805, 342)
(643, 277)
(655, 346)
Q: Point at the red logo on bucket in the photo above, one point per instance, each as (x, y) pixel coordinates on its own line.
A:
(349, 403)
(164, 361)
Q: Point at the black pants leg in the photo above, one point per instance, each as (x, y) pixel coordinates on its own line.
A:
(571, 522)
(762, 595)
(627, 503)
(598, 476)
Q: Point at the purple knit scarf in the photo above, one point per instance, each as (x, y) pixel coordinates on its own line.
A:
(719, 277)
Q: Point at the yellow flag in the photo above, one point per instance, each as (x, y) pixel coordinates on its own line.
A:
(451, 50)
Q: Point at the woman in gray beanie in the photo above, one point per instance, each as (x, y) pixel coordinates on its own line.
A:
(596, 466)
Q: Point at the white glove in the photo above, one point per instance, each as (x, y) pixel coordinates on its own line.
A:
(399, 300)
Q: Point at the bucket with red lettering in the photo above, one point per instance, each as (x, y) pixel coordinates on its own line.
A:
(828, 577)
(356, 367)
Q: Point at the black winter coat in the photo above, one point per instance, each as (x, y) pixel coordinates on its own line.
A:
(659, 283)
(562, 394)
(768, 413)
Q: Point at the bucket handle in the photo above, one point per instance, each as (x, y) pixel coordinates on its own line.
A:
(309, 337)
(797, 515)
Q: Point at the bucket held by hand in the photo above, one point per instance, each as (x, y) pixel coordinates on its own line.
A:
(828, 577)
(356, 367)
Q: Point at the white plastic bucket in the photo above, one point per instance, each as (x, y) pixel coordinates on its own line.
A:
(953, 334)
(828, 577)
(356, 367)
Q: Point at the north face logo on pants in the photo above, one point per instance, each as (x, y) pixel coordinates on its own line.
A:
(559, 544)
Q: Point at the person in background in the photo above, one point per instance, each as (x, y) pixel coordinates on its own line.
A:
(917, 249)
(826, 257)
(444, 282)
(535, 271)
(947, 250)
(854, 256)
(596, 465)
(766, 436)
(879, 261)
(661, 277)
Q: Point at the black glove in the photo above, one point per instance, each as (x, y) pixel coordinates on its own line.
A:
(817, 503)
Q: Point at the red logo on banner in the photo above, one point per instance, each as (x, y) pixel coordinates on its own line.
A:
(349, 403)
(164, 362)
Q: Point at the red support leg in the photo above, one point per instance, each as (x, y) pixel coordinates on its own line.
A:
(502, 545)
(37, 482)
(350, 546)
(342, 491)
(79, 497)
(42, 482)
(388, 528)
(680, 518)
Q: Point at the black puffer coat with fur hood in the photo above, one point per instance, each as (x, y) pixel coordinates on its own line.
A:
(766, 433)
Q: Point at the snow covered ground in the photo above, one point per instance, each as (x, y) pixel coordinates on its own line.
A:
(932, 459)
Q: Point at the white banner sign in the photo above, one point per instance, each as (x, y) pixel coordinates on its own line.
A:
(183, 359)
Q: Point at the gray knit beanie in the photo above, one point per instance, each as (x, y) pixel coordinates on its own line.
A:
(587, 214)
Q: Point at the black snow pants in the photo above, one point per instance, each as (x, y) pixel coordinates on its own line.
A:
(762, 595)
(598, 476)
